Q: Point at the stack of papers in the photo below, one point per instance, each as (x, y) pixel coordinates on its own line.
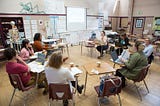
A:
(76, 70)
(95, 71)
(36, 67)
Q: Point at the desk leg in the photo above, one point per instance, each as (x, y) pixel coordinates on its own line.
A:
(37, 80)
(85, 82)
(67, 50)
(81, 48)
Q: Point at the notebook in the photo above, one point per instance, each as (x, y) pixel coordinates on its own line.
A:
(41, 58)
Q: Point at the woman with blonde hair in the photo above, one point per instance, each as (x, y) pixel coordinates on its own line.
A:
(56, 73)
(133, 66)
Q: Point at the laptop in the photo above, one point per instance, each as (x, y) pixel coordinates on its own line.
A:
(115, 57)
(41, 58)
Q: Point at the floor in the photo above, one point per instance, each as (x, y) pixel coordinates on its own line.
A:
(128, 95)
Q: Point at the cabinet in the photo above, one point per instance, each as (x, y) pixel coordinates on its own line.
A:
(5, 26)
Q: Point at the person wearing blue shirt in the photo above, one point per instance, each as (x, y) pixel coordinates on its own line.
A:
(148, 50)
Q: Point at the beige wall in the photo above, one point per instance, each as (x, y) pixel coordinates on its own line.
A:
(146, 8)
(13, 6)
(123, 8)
(76, 3)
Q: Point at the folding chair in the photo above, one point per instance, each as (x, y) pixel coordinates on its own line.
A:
(16, 82)
(140, 78)
(109, 89)
(59, 91)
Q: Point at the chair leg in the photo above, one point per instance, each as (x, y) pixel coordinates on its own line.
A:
(99, 103)
(12, 97)
(138, 92)
(119, 99)
(146, 85)
(49, 102)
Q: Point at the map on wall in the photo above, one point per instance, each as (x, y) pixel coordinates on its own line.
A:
(54, 6)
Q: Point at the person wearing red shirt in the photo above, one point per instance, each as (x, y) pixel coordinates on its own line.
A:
(16, 65)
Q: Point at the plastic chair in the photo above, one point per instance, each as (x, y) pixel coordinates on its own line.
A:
(59, 91)
(16, 82)
(140, 78)
(109, 89)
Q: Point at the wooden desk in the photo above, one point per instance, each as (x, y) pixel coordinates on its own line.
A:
(63, 45)
(103, 69)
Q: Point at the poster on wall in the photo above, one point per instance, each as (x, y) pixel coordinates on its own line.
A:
(139, 23)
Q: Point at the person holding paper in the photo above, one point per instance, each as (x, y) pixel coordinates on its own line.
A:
(56, 73)
(16, 65)
(102, 44)
(133, 66)
(26, 50)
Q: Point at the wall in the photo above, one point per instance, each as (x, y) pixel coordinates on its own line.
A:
(146, 8)
(76, 3)
(123, 8)
(15, 7)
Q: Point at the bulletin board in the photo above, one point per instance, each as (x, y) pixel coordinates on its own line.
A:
(94, 23)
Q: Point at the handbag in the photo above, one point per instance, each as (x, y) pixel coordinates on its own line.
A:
(112, 83)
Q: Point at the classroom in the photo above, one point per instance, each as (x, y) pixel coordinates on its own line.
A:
(79, 52)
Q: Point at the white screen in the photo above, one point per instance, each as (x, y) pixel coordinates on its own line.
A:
(76, 19)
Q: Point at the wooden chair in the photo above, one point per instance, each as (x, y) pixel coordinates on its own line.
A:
(90, 46)
(140, 78)
(59, 91)
(16, 82)
(109, 89)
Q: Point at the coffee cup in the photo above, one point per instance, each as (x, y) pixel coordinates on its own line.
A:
(71, 64)
(98, 64)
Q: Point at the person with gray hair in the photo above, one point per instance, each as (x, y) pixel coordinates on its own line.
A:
(148, 50)
(133, 66)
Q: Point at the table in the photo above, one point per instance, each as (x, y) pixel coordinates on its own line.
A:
(89, 44)
(62, 45)
(103, 69)
(36, 68)
(50, 40)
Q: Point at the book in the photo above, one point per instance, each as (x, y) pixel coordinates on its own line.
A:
(76, 71)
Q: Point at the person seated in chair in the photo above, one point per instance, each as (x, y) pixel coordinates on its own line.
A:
(56, 73)
(16, 65)
(133, 66)
(37, 45)
(148, 50)
(123, 42)
(102, 45)
(26, 50)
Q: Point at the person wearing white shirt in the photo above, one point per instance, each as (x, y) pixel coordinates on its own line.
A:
(148, 50)
(56, 73)
(103, 44)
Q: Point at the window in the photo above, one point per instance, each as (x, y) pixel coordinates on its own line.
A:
(76, 19)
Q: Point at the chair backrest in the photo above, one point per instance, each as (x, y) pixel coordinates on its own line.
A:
(112, 88)
(142, 74)
(60, 91)
(15, 81)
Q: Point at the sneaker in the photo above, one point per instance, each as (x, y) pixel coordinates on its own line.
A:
(65, 102)
(99, 57)
(80, 89)
(41, 86)
(45, 92)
